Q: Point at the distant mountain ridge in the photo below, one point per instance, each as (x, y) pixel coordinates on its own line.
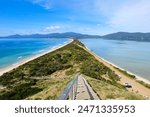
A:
(113, 36)
(128, 36)
(54, 35)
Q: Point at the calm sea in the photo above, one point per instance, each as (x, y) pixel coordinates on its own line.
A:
(14, 50)
(130, 55)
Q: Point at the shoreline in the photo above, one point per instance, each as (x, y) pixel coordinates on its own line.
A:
(23, 61)
(137, 88)
(138, 78)
(17, 64)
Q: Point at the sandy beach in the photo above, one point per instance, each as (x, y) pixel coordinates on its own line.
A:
(15, 65)
(137, 76)
(136, 87)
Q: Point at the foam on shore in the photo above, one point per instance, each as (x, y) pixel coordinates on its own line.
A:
(19, 63)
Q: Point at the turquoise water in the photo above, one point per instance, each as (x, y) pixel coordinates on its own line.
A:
(14, 50)
(130, 55)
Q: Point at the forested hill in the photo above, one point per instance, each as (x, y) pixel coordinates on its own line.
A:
(54, 35)
(128, 36)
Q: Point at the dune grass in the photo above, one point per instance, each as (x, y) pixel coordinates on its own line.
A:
(47, 76)
(52, 88)
(106, 90)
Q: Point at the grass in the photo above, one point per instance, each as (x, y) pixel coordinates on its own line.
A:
(144, 84)
(133, 77)
(106, 90)
(126, 73)
(52, 89)
(20, 91)
(59, 66)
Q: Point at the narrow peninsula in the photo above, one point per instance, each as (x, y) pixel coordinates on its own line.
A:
(46, 77)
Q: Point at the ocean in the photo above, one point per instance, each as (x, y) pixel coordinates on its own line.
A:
(13, 50)
(132, 56)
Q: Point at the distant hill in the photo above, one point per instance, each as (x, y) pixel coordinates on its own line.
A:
(46, 77)
(54, 35)
(128, 36)
(114, 36)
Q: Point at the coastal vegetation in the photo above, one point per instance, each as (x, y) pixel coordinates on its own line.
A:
(126, 73)
(133, 77)
(47, 76)
(143, 83)
(108, 90)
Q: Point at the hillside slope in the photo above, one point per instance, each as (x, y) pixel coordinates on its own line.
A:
(47, 76)
(128, 36)
(54, 35)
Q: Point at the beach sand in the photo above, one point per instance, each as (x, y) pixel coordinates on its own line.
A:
(136, 87)
(15, 65)
(112, 64)
(137, 76)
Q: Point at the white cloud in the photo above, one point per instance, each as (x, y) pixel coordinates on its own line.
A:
(107, 15)
(52, 28)
(107, 7)
(134, 16)
(128, 15)
(47, 4)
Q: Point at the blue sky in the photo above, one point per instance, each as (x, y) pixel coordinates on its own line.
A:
(83, 16)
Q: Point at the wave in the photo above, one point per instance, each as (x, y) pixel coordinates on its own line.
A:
(20, 57)
(41, 51)
(15, 64)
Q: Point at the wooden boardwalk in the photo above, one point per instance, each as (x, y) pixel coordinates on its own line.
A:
(84, 90)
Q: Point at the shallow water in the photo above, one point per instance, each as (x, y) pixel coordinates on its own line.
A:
(130, 55)
(14, 50)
